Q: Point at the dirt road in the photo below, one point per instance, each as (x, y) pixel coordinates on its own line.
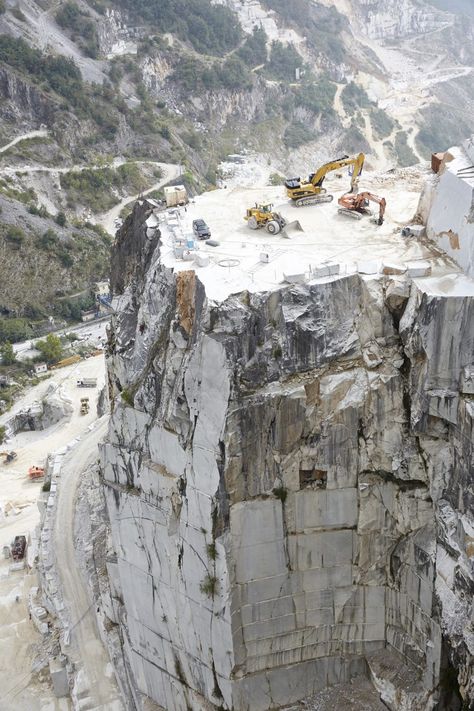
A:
(41, 133)
(86, 649)
(19, 687)
(171, 171)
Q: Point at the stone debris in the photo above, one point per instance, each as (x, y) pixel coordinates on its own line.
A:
(418, 269)
(356, 695)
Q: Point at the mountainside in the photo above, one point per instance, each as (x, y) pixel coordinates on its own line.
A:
(121, 87)
(186, 68)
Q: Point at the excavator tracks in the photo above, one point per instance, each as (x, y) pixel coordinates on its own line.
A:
(350, 213)
(313, 200)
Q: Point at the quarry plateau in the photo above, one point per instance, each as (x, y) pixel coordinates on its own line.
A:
(288, 470)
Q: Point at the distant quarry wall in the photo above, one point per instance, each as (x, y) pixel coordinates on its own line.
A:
(288, 477)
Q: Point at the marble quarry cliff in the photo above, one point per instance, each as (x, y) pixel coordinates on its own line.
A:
(289, 481)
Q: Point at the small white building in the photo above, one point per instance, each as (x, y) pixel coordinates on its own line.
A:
(40, 368)
(88, 315)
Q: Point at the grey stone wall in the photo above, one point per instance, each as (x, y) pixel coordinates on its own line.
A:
(283, 473)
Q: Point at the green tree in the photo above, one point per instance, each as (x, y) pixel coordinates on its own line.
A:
(7, 353)
(14, 234)
(50, 348)
(284, 60)
(61, 219)
(14, 329)
(254, 50)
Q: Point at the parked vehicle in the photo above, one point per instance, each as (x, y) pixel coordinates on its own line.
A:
(201, 230)
(87, 383)
(84, 405)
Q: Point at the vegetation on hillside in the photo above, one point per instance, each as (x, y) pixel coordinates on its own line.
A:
(83, 30)
(41, 263)
(14, 329)
(284, 61)
(321, 26)
(404, 153)
(296, 134)
(316, 94)
(194, 76)
(63, 77)
(210, 29)
(354, 98)
(7, 354)
(93, 187)
(8, 189)
(382, 123)
(59, 73)
(254, 51)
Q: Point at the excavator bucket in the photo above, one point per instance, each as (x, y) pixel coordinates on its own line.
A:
(291, 228)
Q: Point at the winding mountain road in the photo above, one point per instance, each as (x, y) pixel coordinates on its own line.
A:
(170, 171)
(40, 133)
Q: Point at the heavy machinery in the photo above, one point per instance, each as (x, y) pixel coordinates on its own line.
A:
(8, 457)
(86, 383)
(262, 215)
(84, 405)
(18, 548)
(311, 192)
(357, 205)
(35, 473)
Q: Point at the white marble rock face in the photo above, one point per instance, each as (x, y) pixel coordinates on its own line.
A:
(284, 508)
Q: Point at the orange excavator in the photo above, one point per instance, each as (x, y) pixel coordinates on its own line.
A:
(35, 473)
(357, 205)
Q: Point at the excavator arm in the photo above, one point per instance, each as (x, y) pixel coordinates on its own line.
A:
(317, 178)
(312, 192)
(357, 204)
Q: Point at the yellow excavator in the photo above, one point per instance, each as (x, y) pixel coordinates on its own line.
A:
(8, 456)
(357, 205)
(311, 192)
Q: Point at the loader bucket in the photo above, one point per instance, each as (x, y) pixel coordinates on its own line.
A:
(290, 228)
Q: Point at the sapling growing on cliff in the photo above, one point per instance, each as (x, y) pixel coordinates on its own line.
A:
(212, 551)
(209, 585)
